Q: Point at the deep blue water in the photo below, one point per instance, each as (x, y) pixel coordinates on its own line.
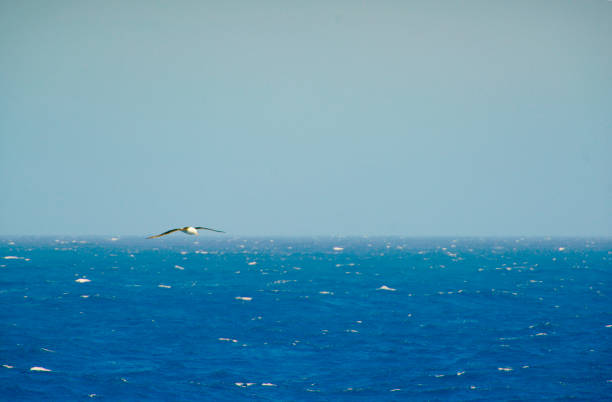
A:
(222, 318)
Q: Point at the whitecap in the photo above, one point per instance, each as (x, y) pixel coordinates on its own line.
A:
(179, 267)
(282, 281)
(83, 280)
(268, 384)
(37, 368)
(505, 368)
(164, 286)
(336, 248)
(385, 287)
(243, 298)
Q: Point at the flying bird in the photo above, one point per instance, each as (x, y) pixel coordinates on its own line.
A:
(190, 230)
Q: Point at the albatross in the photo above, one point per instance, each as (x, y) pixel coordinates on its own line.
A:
(190, 230)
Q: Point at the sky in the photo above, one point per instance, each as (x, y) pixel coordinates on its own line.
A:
(412, 118)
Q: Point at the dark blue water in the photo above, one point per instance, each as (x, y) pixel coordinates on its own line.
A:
(221, 318)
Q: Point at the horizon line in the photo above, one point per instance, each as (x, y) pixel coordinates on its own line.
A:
(230, 235)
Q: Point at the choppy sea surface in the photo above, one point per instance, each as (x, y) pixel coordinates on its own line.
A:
(225, 318)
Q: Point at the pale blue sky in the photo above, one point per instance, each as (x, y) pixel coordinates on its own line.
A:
(413, 118)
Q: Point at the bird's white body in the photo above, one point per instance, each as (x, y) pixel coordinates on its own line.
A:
(190, 230)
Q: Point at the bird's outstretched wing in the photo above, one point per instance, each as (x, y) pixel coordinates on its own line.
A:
(163, 234)
(214, 230)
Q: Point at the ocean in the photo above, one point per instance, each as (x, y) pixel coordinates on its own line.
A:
(222, 318)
